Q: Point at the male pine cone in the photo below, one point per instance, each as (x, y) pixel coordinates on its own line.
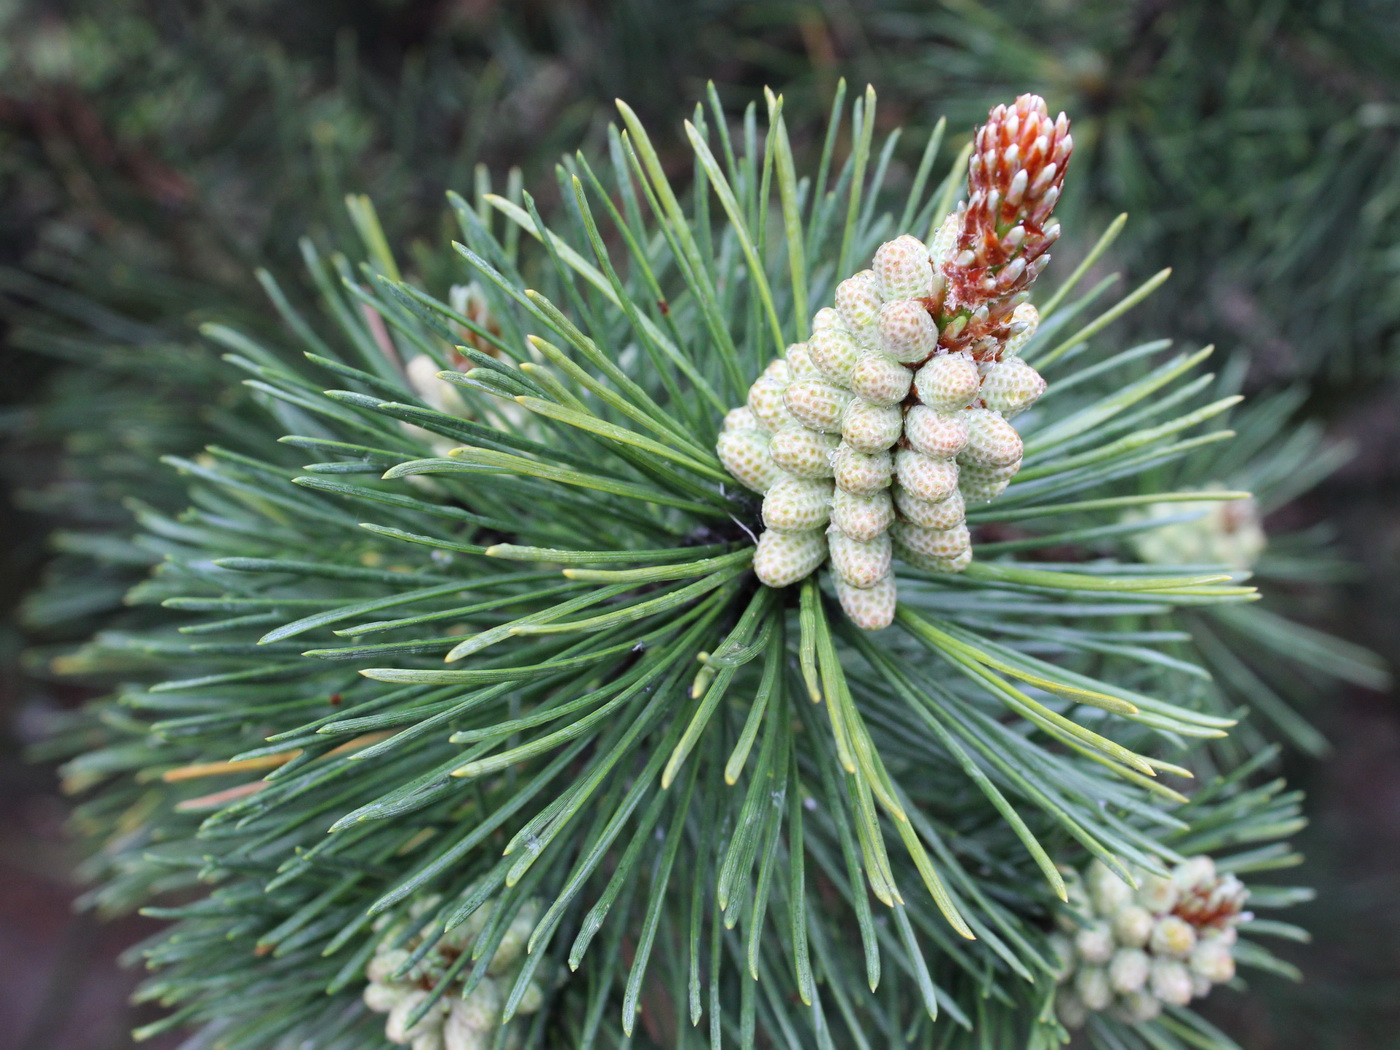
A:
(868, 440)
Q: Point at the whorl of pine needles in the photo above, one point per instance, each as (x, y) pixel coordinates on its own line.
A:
(501, 638)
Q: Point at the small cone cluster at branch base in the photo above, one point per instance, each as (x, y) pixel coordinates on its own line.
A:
(1221, 532)
(869, 440)
(1134, 951)
(453, 1022)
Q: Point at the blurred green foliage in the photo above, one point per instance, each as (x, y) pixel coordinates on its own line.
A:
(1253, 141)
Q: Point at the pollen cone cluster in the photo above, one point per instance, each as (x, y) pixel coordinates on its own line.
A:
(869, 440)
(1133, 951)
(402, 977)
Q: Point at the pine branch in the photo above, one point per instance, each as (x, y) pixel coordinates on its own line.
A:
(502, 641)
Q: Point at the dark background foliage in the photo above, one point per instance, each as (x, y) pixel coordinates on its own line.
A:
(153, 154)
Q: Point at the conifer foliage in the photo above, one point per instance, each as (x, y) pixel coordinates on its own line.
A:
(473, 722)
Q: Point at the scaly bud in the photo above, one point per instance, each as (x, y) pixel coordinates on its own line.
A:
(1156, 893)
(944, 544)
(991, 440)
(1194, 873)
(858, 300)
(945, 241)
(472, 1022)
(1094, 942)
(925, 477)
(1170, 981)
(745, 454)
(859, 472)
(870, 427)
(879, 378)
(980, 484)
(800, 363)
(835, 352)
(1140, 1006)
(1168, 952)
(946, 513)
(1092, 984)
(895, 369)
(939, 434)
(1011, 386)
(766, 401)
(862, 517)
(1132, 925)
(802, 451)
(1107, 892)
(741, 419)
(1172, 936)
(1005, 230)
(797, 504)
(381, 998)
(860, 563)
(869, 608)
(1213, 960)
(396, 1028)
(948, 382)
(1128, 970)
(1070, 1009)
(902, 269)
(815, 402)
(783, 558)
(907, 332)
(932, 564)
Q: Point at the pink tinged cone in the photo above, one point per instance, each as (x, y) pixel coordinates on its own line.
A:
(879, 378)
(778, 371)
(948, 382)
(902, 269)
(816, 403)
(800, 363)
(741, 419)
(939, 434)
(907, 332)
